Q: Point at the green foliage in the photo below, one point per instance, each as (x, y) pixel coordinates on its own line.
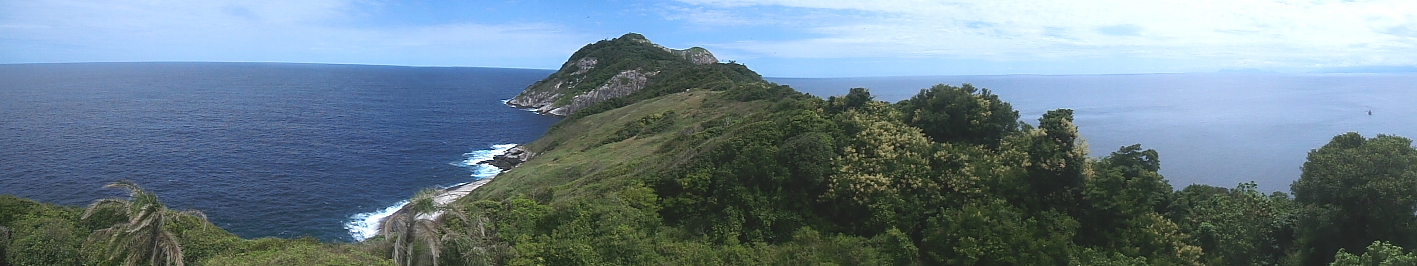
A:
(1354, 191)
(412, 234)
(743, 84)
(1379, 253)
(4, 245)
(144, 238)
(896, 248)
(45, 240)
(884, 175)
(300, 254)
(630, 51)
(747, 186)
(13, 208)
(46, 234)
(1124, 186)
(810, 247)
(994, 233)
(649, 124)
(1237, 226)
(570, 235)
(667, 73)
(854, 98)
(960, 114)
(1089, 256)
(1050, 162)
(201, 240)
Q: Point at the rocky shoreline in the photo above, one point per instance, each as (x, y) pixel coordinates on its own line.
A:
(509, 159)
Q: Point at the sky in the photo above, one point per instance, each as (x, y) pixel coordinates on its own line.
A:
(778, 38)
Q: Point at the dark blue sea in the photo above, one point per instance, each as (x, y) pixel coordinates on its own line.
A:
(264, 149)
(1218, 129)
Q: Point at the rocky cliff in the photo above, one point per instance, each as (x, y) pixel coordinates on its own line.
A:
(605, 70)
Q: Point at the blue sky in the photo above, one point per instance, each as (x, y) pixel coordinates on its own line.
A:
(783, 38)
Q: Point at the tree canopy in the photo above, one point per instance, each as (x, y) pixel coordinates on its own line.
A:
(1357, 190)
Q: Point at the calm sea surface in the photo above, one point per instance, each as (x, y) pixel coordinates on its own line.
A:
(1218, 129)
(264, 149)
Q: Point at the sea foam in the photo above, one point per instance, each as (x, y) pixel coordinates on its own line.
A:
(366, 225)
(363, 226)
(505, 102)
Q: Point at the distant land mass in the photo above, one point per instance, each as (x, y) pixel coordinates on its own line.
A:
(1370, 69)
(1244, 70)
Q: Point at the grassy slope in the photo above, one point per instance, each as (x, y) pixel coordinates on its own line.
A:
(48, 234)
(572, 161)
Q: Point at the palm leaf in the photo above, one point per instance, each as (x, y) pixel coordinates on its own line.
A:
(142, 239)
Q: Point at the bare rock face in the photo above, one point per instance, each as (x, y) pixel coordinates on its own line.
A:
(699, 56)
(625, 83)
(536, 98)
(584, 65)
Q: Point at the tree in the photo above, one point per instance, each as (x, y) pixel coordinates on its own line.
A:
(1239, 226)
(4, 242)
(855, 98)
(990, 232)
(1355, 191)
(960, 114)
(415, 223)
(1125, 185)
(471, 242)
(883, 163)
(143, 238)
(1379, 254)
(45, 241)
(1053, 160)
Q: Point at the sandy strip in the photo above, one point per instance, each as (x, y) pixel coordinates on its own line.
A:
(453, 194)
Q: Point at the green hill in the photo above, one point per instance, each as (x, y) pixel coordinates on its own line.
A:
(626, 69)
(706, 168)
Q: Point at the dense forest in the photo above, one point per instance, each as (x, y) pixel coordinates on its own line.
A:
(718, 167)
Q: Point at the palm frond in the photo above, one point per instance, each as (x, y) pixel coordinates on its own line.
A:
(132, 188)
(103, 204)
(171, 250)
(141, 240)
(194, 213)
(4, 236)
(423, 202)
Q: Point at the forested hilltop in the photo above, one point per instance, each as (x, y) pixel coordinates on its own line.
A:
(714, 166)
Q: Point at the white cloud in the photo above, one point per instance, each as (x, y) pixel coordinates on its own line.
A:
(332, 31)
(1260, 33)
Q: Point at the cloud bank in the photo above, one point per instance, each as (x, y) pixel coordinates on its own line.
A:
(1266, 33)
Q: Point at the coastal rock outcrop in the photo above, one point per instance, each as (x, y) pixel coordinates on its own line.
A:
(605, 70)
(513, 157)
(625, 83)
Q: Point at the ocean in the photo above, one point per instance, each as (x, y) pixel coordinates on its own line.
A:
(1218, 129)
(288, 150)
(263, 149)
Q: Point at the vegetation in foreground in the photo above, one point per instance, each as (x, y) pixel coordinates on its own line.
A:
(746, 172)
